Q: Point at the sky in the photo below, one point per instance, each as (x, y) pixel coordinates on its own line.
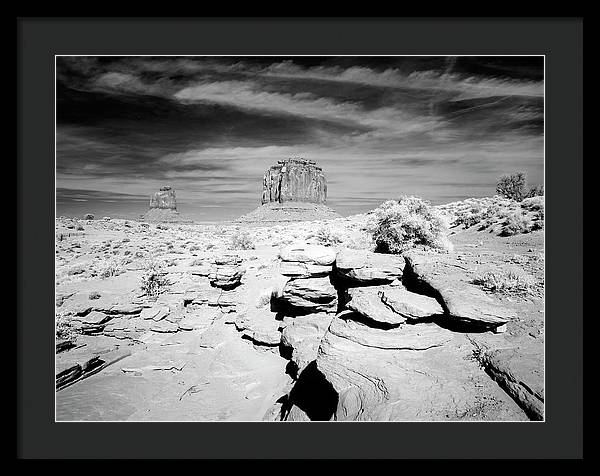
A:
(442, 128)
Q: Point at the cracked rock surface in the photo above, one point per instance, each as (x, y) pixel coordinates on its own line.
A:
(293, 328)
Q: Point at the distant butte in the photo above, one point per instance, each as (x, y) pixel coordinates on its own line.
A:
(163, 206)
(164, 199)
(295, 189)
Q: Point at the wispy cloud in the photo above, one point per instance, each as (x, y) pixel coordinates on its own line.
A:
(379, 127)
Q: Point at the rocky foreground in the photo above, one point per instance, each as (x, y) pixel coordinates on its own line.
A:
(299, 321)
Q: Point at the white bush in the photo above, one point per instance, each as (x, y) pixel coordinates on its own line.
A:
(399, 225)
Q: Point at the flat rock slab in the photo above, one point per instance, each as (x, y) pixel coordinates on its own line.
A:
(445, 278)
(304, 270)
(375, 383)
(195, 320)
(362, 266)
(405, 337)
(410, 305)
(164, 326)
(368, 303)
(94, 318)
(519, 372)
(230, 381)
(156, 313)
(305, 253)
(259, 325)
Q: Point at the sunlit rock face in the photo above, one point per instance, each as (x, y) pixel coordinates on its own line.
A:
(164, 199)
(294, 180)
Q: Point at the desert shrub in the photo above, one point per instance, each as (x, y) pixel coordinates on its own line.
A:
(515, 224)
(475, 214)
(513, 281)
(512, 186)
(94, 295)
(241, 241)
(325, 236)
(64, 329)
(537, 206)
(359, 241)
(536, 191)
(88, 216)
(153, 281)
(76, 269)
(399, 225)
(112, 268)
(534, 204)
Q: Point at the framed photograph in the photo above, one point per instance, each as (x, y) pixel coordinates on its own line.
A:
(342, 249)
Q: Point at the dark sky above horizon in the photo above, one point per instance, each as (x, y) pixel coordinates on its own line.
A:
(443, 128)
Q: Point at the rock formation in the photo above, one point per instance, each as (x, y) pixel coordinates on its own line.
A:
(294, 180)
(226, 273)
(164, 199)
(163, 207)
(294, 189)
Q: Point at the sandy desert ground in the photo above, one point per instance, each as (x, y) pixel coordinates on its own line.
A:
(298, 321)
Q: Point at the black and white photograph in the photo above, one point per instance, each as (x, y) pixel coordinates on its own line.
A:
(300, 238)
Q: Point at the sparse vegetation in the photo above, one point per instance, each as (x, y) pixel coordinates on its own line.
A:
(512, 186)
(76, 269)
(536, 191)
(399, 225)
(241, 240)
(536, 207)
(153, 280)
(112, 268)
(516, 223)
(512, 281)
(64, 329)
(325, 236)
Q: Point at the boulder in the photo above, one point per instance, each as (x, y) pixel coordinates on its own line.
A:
(260, 326)
(368, 303)
(444, 278)
(226, 272)
(362, 266)
(294, 180)
(417, 372)
(310, 295)
(302, 336)
(410, 305)
(310, 254)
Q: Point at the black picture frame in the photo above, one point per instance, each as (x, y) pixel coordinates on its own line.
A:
(560, 40)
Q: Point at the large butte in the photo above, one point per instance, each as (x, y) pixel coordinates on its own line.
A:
(294, 189)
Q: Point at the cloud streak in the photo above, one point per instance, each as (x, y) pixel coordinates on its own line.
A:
(378, 126)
